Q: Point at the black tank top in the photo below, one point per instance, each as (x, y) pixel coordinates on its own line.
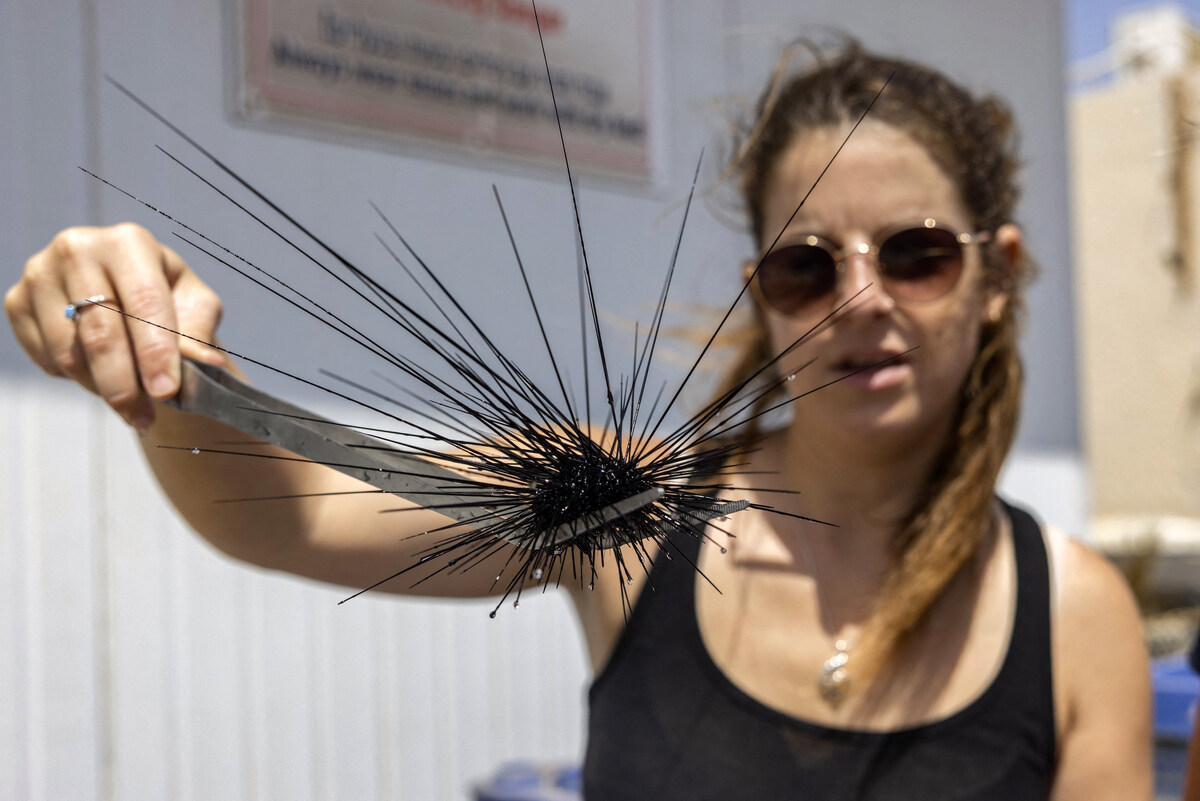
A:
(665, 723)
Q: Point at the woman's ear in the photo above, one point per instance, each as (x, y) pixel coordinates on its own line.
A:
(1009, 246)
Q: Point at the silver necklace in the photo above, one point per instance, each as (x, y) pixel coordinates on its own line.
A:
(835, 676)
(833, 682)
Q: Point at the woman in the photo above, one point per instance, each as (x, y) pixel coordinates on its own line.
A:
(933, 645)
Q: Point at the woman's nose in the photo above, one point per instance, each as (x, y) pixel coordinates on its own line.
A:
(862, 286)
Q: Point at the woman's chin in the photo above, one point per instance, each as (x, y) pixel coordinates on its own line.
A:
(870, 422)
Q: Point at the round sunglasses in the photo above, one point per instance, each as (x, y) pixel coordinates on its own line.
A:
(916, 264)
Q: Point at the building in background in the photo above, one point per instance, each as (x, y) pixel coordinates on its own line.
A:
(1136, 194)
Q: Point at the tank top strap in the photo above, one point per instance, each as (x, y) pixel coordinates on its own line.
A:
(1026, 680)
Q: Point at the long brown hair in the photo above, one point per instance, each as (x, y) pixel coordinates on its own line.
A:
(973, 140)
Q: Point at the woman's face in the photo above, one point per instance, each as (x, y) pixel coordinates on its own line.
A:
(881, 179)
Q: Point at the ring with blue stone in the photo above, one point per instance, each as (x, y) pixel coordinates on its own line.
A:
(72, 310)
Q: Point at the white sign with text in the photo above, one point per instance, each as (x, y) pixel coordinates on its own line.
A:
(459, 73)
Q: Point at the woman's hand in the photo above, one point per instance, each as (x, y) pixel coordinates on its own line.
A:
(127, 362)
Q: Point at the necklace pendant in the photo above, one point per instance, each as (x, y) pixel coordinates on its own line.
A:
(835, 678)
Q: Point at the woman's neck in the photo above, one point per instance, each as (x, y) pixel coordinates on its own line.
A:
(864, 488)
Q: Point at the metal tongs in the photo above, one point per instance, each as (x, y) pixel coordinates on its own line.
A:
(214, 393)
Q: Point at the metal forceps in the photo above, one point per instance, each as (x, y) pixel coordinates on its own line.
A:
(214, 393)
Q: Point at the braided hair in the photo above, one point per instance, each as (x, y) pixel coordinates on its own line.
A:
(972, 139)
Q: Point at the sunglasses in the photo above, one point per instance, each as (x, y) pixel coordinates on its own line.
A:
(916, 264)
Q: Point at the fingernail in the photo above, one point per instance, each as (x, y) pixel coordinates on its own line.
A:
(162, 386)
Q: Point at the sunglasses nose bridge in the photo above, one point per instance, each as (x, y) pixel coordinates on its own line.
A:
(858, 269)
(861, 281)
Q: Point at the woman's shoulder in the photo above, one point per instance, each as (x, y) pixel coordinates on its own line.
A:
(1090, 593)
(1095, 612)
(1101, 671)
(1086, 588)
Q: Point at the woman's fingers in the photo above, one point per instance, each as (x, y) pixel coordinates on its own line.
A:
(40, 320)
(129, 352)
(18, 305)
(197, 309)
(136, 265)
(102, 336)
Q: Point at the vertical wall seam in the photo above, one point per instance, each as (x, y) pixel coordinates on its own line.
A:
(179, 684)
(102, 606)
(32, 663)
(89, 20)
(89, 17)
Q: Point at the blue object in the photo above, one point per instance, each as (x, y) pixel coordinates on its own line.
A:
(570, 779)
(1176, 687)
(526, 781)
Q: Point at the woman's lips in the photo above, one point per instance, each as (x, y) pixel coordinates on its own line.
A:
(873, 369)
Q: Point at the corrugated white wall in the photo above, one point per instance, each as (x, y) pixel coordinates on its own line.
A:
(135, 663)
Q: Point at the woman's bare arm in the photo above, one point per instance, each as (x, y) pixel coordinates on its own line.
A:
(279, 512)
(318, 531)
(1102, 670)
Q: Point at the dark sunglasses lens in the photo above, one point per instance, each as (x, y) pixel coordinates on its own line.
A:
(921, 263)
(796, 278)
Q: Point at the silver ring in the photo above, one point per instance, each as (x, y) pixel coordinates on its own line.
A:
(72, 310)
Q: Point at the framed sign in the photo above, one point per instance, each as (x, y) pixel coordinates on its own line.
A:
(464, 74)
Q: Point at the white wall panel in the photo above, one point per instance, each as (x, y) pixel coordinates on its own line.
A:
(62, 548)
(50, 646)
(15, 621)
(209, 679)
